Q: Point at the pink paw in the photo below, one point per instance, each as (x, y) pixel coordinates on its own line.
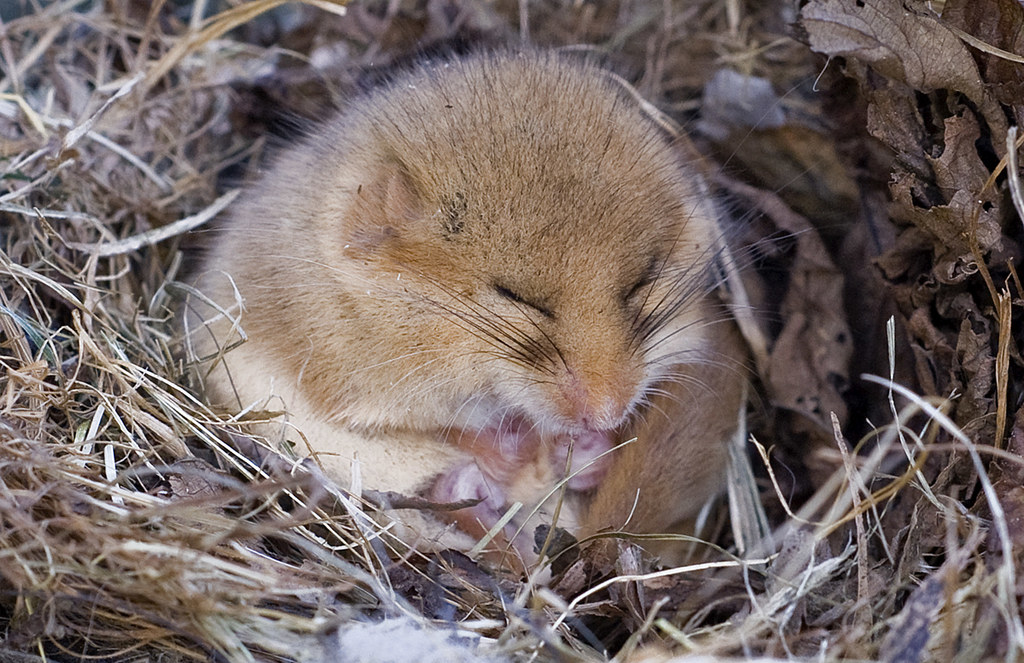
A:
(467, 482)
(588, 466)
(502, 450)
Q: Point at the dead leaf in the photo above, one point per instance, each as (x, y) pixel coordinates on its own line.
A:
(808, 367)
(945, 202)
(1009, 486)
(907, 46)
(803, 166)
(908, 639)
(913, 631)
(193, 478)
(1000, 25)
(932, 351)
(974, 356)
(945, 145)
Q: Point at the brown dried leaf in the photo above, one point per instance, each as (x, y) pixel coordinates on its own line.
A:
(922, 534)
(914, 630)
(999, 24)
(908, 640)
(193, 478)
(688, 594)
(974, 356)
(808, 369)
(803, 166)
(1009, 486)
(933, 353)
(912, 47)
(1012, 470)
(907, 47)
(809, 364)
(1012, 500)
(894, 118)
(945, 146)
(957, 176)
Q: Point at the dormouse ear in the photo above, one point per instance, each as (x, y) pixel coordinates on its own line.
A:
(388, 208)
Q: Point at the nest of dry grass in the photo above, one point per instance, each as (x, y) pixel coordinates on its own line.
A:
(136, 523)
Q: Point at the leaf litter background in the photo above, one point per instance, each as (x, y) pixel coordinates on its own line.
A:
(864, 149)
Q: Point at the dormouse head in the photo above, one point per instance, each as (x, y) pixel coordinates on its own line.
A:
(521, 212)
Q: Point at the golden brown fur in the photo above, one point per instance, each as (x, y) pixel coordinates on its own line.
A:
(504, 238)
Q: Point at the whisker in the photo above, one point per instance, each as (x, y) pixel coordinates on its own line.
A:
(499, 323)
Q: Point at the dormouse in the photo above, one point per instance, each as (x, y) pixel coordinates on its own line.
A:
(471, 270)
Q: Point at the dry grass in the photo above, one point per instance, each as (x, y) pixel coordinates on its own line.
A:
(135, 523)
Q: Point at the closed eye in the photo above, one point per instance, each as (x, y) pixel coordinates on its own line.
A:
(513, 296)
(640, 286)
(654, 266)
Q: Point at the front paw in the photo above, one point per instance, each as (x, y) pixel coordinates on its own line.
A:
(588, 466)
(467, 482)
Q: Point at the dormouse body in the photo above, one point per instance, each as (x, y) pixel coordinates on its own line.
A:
(470, 269)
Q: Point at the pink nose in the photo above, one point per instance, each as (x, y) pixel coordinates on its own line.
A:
(595, 402)
(594, 411)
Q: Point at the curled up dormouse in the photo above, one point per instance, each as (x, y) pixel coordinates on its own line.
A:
(471, 269)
